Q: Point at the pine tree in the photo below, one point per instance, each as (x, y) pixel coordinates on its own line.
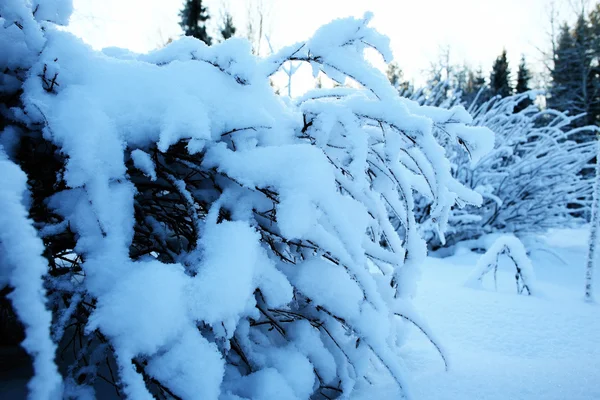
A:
(562, 91)
(394, 73)
(396, 77)
(228, 29)
(594, 31)
(318, 83)
(476, 90)
(500, 77)
(193, 20)
(461, 77)
(575, 76)
(587, 90)
(575, 86)
(523, 78)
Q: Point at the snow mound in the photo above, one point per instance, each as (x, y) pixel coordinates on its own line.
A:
(514, 249)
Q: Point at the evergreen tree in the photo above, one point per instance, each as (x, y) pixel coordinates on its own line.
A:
(458, 78)
(319, 83)
(575, 86)
(461, 77)
(575, 76)
(394, 73)
(228, 29)
(500, 77)
(587, 89)
(523, 78)
(476, 89)
(564, 72)
(396, 77)
(479, 80)
(193, 20)
(594, 72)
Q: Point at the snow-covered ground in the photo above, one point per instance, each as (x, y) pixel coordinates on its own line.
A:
(502, 345)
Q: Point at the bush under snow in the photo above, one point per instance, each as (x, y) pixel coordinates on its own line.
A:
(512, 247)
(533, 179)
(200, 236)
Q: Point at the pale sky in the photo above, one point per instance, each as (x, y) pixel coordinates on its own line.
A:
(476, 31)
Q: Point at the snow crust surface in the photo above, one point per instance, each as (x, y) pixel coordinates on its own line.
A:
(502, 345)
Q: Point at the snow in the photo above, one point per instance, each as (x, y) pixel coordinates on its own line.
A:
(329, 286)
(530, 181)
(266, 205)
(512, 247)
(193, 365)
(56, 11)
(231, 243)
(300, 171)
(144, 163)
(148, 285)
(213, 301)
(266, 384)
(306, 339)
(23, 267)
(296, 369)
(500, 345)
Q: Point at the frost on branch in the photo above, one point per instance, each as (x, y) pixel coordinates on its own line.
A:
(514, 249)
(206, 238)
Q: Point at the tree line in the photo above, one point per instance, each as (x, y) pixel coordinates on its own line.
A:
(193, 18)
(573, 68)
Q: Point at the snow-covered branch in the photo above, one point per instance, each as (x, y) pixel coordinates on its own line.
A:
(534, 178)
(513, 249)
(208, 239)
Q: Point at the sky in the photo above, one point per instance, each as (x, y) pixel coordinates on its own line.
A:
(474, 31)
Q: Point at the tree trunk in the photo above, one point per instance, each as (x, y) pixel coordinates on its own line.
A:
(589, 271)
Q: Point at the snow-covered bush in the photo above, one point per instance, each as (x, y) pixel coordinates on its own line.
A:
(530, 182)
(200, 236)
(513, 249)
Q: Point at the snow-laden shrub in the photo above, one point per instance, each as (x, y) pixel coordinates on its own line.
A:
(512, 247)
(530, 182)
(200, 236)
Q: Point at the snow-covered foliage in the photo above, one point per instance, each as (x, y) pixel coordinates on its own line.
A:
(202, 236)
(23, 268)
(530, 182)
(514, 249)
(439, 94)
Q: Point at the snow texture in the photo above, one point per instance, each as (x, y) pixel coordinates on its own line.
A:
(209, 238)
(144, 163)
(503, 346)
(23, 268)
